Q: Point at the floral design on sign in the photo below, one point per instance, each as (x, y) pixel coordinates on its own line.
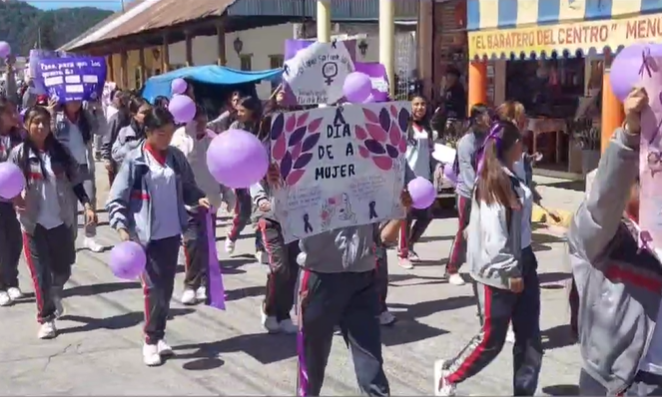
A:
(293, 140)
(383, 136)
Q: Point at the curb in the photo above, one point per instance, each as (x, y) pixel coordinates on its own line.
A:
(540, 216)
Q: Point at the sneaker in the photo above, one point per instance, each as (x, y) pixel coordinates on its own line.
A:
(441, 386)
(270, 323)
(201, 294)
(337, 330)
(5, 299)
(288, 327)
(47, 330)
(14, 293)
(405, 263)
(59, 307)
(92, 245)
(413, 256)
(510, 336)
(229, 246)
(261, 257)
(188, 297)
(164, 349)
(151, 356)
(456, 279)
(386, 318)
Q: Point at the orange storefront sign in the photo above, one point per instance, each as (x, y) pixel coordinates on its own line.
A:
(566, 37)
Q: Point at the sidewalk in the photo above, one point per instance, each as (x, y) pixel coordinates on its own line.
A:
(558, 195)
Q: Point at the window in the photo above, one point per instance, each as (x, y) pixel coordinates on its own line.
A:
(276, 61)
(246, 62)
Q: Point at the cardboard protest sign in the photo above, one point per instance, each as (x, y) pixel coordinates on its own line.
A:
(341, 166)
(73, 78)
(316, 73)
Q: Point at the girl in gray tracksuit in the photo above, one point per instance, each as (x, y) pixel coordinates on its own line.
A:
(507, 281)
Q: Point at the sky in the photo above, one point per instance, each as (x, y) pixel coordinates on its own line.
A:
(113, 5)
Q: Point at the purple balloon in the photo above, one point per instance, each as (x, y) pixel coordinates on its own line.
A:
(127, 260)
(5, 49)
(370, 99)
(625, 70)
(357, 87)
(12, 181)
(422, 193)
(182, 108)
(237, 159)
(449, 174)
(178, 86)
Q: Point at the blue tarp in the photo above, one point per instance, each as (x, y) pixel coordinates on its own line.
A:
(210, 74)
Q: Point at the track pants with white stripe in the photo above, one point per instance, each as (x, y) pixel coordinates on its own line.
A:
(498, 308)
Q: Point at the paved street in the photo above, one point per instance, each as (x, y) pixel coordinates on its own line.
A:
(98, 351)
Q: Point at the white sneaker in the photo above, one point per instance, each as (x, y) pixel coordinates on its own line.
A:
(92, 245)
(201, 294)
(405, 263)
(151, 356)
(270, 323)
(5, 299)
(164, 349)
(229, 246)
(288, 327)
(14, 293)
(188, 297)
(47, 330)
(456, 279)
(510, 336)
(441, 386)
(386, 318)
(59, 307)
(261, 257)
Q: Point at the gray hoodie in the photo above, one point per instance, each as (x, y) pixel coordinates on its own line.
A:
(467, 147)
(619, 285)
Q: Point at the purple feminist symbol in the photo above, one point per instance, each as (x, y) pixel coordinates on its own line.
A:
(646, 61)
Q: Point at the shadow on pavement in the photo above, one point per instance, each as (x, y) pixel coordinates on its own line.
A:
(96, 289)
(126, 320)
(228, 266)
(558, 337)
(562, 390)
(553, 277)
(394, 278)
(263, 347)
(203, 364)
(428, 308)
(236, 294)
(408, 331)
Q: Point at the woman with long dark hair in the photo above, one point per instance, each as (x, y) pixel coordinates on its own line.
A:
(75, 126)
(465, 168)
(418, 154)
(47, 213)
(131, 136)
(507, 280)
(10, 230)
(119, 119)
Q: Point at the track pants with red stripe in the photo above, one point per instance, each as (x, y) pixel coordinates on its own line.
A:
(10, 246)
(243, 206)
(49, 253)
(349, 300)
(499, 307)
(158, 281)
(282, 279)
(196, 250)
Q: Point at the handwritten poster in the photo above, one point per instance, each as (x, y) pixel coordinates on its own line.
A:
(650, 160)
(316, 73)
(73, 78)
(341, 166)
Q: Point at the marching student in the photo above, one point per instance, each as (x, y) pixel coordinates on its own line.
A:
(193, 141)
(148, 203)
(465, 168)
(75, 126)
(132, 135)
(118, 116)
(507, 282)
(10, 229)
(386, 234)
(282, 261)
(419, 149)
(47, 214)
(617, 277)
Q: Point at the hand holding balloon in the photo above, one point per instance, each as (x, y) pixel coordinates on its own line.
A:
(127, 260)
(124, 235)
(204, 203)
(405, 199)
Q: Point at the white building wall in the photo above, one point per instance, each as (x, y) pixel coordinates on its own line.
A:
(261, 43)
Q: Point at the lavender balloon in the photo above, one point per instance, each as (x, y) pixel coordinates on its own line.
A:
(422, 193)
(127, 260)
(178, 86)
(237, 159)
(182, 108)
(357, 87)
(628, 67)
(5, 49)
(12, 181)
(370, 99)
(449, 174)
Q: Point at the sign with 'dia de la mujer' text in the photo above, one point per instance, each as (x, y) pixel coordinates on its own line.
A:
(341, 166)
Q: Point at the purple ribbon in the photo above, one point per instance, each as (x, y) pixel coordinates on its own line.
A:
(216, 291)
(495, 130)
(645, 63)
